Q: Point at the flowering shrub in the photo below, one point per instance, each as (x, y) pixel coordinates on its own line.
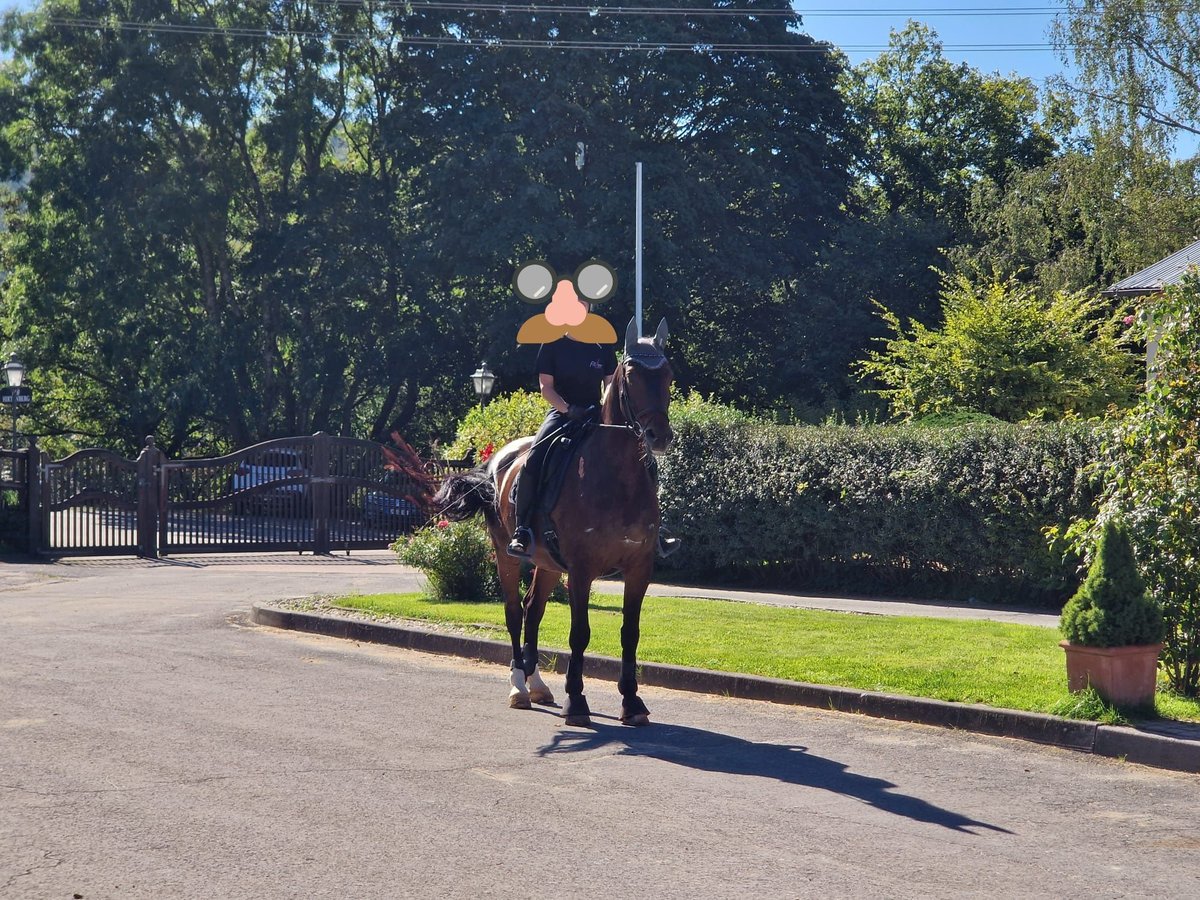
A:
(505, 419)
(457, 559)
(1152, 478)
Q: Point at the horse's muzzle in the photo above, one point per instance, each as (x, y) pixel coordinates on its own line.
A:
(659, 439)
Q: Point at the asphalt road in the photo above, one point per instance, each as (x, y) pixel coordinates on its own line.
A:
(152, 744)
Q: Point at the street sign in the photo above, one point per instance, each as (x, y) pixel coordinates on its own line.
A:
(16, 395)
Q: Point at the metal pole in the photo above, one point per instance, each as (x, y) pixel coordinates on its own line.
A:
(14, 439)
(638, 253)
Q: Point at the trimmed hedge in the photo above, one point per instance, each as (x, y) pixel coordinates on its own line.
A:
(958, 512)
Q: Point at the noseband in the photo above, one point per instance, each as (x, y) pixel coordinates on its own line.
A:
(633, 417)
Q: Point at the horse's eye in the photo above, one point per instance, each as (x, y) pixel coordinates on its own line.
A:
(534, 281)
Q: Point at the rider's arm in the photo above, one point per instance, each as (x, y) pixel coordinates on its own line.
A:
(546, 382)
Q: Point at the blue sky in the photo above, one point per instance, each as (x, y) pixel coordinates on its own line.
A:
(959, 23)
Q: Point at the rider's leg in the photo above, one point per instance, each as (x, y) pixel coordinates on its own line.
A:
(527, 485)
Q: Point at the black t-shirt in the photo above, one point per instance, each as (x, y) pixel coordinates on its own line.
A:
(578, 369)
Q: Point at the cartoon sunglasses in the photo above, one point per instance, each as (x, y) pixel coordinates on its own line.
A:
(595, 281)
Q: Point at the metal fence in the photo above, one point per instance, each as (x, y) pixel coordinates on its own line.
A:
(318, 493)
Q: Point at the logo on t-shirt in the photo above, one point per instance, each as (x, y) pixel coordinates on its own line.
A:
(595, 364)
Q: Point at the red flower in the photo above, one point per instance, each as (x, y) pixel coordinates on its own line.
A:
(443, 523)
(487, 452)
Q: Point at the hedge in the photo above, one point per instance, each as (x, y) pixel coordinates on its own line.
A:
(954, 512)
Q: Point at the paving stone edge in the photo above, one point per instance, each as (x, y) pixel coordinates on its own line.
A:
(1159, 751)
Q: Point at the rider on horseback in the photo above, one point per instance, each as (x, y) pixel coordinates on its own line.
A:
(570, 373)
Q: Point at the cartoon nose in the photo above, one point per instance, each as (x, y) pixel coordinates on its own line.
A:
(565, 307)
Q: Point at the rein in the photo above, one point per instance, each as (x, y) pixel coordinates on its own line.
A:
(631, 416)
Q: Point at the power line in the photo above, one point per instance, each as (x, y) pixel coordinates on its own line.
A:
(633, 11)
(695, 46)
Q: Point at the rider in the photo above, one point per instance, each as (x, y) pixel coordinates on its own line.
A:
(570, 374)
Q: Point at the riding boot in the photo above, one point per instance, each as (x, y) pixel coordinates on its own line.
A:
(521, 544)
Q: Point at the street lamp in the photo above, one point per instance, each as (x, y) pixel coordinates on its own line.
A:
(15, 394)
(484, 382)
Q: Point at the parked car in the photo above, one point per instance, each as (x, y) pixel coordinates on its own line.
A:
(382, 508)
(271, 466)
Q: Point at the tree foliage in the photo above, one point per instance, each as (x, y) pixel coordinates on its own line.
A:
(1152, 480)
(1137, 60)
(245, 220)
(1111, 607)
(1006, 351)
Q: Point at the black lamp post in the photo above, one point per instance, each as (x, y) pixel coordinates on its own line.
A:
(484, 382)
(16, 393)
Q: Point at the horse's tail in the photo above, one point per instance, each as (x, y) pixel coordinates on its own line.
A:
(461, 496)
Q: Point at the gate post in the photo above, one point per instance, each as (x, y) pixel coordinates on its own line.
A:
(147, 499)
(319, 482)
(33, 498)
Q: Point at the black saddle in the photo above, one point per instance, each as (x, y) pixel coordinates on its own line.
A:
(561, 453)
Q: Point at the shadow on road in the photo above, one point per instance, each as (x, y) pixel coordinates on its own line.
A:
(710, 751)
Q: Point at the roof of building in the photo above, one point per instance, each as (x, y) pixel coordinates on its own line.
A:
(1154, 278)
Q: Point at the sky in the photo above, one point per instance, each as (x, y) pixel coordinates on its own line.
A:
(982, 33)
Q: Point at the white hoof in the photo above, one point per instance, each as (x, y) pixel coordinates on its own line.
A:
(518, 694)
(539, 691)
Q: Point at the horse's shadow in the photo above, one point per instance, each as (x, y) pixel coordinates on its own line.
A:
(710, 751)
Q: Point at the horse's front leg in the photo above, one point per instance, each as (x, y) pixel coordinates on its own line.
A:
(633, 710)
(579, 589)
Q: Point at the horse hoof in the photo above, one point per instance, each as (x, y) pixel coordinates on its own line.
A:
(542, 698)
(639, 719)
(518, 701)
(578, 712)
(578, 721)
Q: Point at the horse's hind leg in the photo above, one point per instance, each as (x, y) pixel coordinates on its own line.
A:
(509, 570)
(633, 710)
(543, 583)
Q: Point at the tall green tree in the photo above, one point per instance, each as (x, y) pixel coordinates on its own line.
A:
(1137, 61)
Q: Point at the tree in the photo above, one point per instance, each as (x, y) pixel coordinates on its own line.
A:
(926, 134)
(1137, 61)
(1007, 352)
(1098, 212)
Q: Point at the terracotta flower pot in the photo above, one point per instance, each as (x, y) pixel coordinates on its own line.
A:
(1124, 676)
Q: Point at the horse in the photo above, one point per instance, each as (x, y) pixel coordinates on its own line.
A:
(606, 517)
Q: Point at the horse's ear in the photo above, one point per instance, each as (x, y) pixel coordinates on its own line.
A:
(660, 336)
(631, 338)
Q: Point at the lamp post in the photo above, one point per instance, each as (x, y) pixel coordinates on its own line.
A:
(484, 382)
(15, 394)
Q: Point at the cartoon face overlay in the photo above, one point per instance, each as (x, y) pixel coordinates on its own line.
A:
(569, 311)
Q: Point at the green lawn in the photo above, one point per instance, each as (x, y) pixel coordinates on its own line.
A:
(965, 661)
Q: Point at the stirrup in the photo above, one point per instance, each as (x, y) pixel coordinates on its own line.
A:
(667, 543)
(521, 545)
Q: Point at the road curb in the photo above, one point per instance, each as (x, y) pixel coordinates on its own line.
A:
(1159, 751)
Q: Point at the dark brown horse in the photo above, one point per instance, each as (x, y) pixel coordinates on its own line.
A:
(606, 518)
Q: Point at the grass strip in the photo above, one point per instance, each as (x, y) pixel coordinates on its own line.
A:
(963, 661)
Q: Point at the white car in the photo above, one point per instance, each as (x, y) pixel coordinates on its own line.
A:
(264, 469)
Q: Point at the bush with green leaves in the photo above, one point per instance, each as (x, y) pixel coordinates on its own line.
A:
(892, 509)
(1151, 473)
(1007, 351)
(1111, 607)
(505, 419)
(457, 558)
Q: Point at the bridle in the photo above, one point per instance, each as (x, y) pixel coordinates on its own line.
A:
(633, 417)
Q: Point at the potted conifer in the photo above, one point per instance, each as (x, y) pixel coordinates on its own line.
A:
(1113, 629)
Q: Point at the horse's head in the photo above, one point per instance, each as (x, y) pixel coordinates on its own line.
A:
(643, 387)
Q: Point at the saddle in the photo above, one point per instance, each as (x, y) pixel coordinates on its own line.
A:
(561, 452)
